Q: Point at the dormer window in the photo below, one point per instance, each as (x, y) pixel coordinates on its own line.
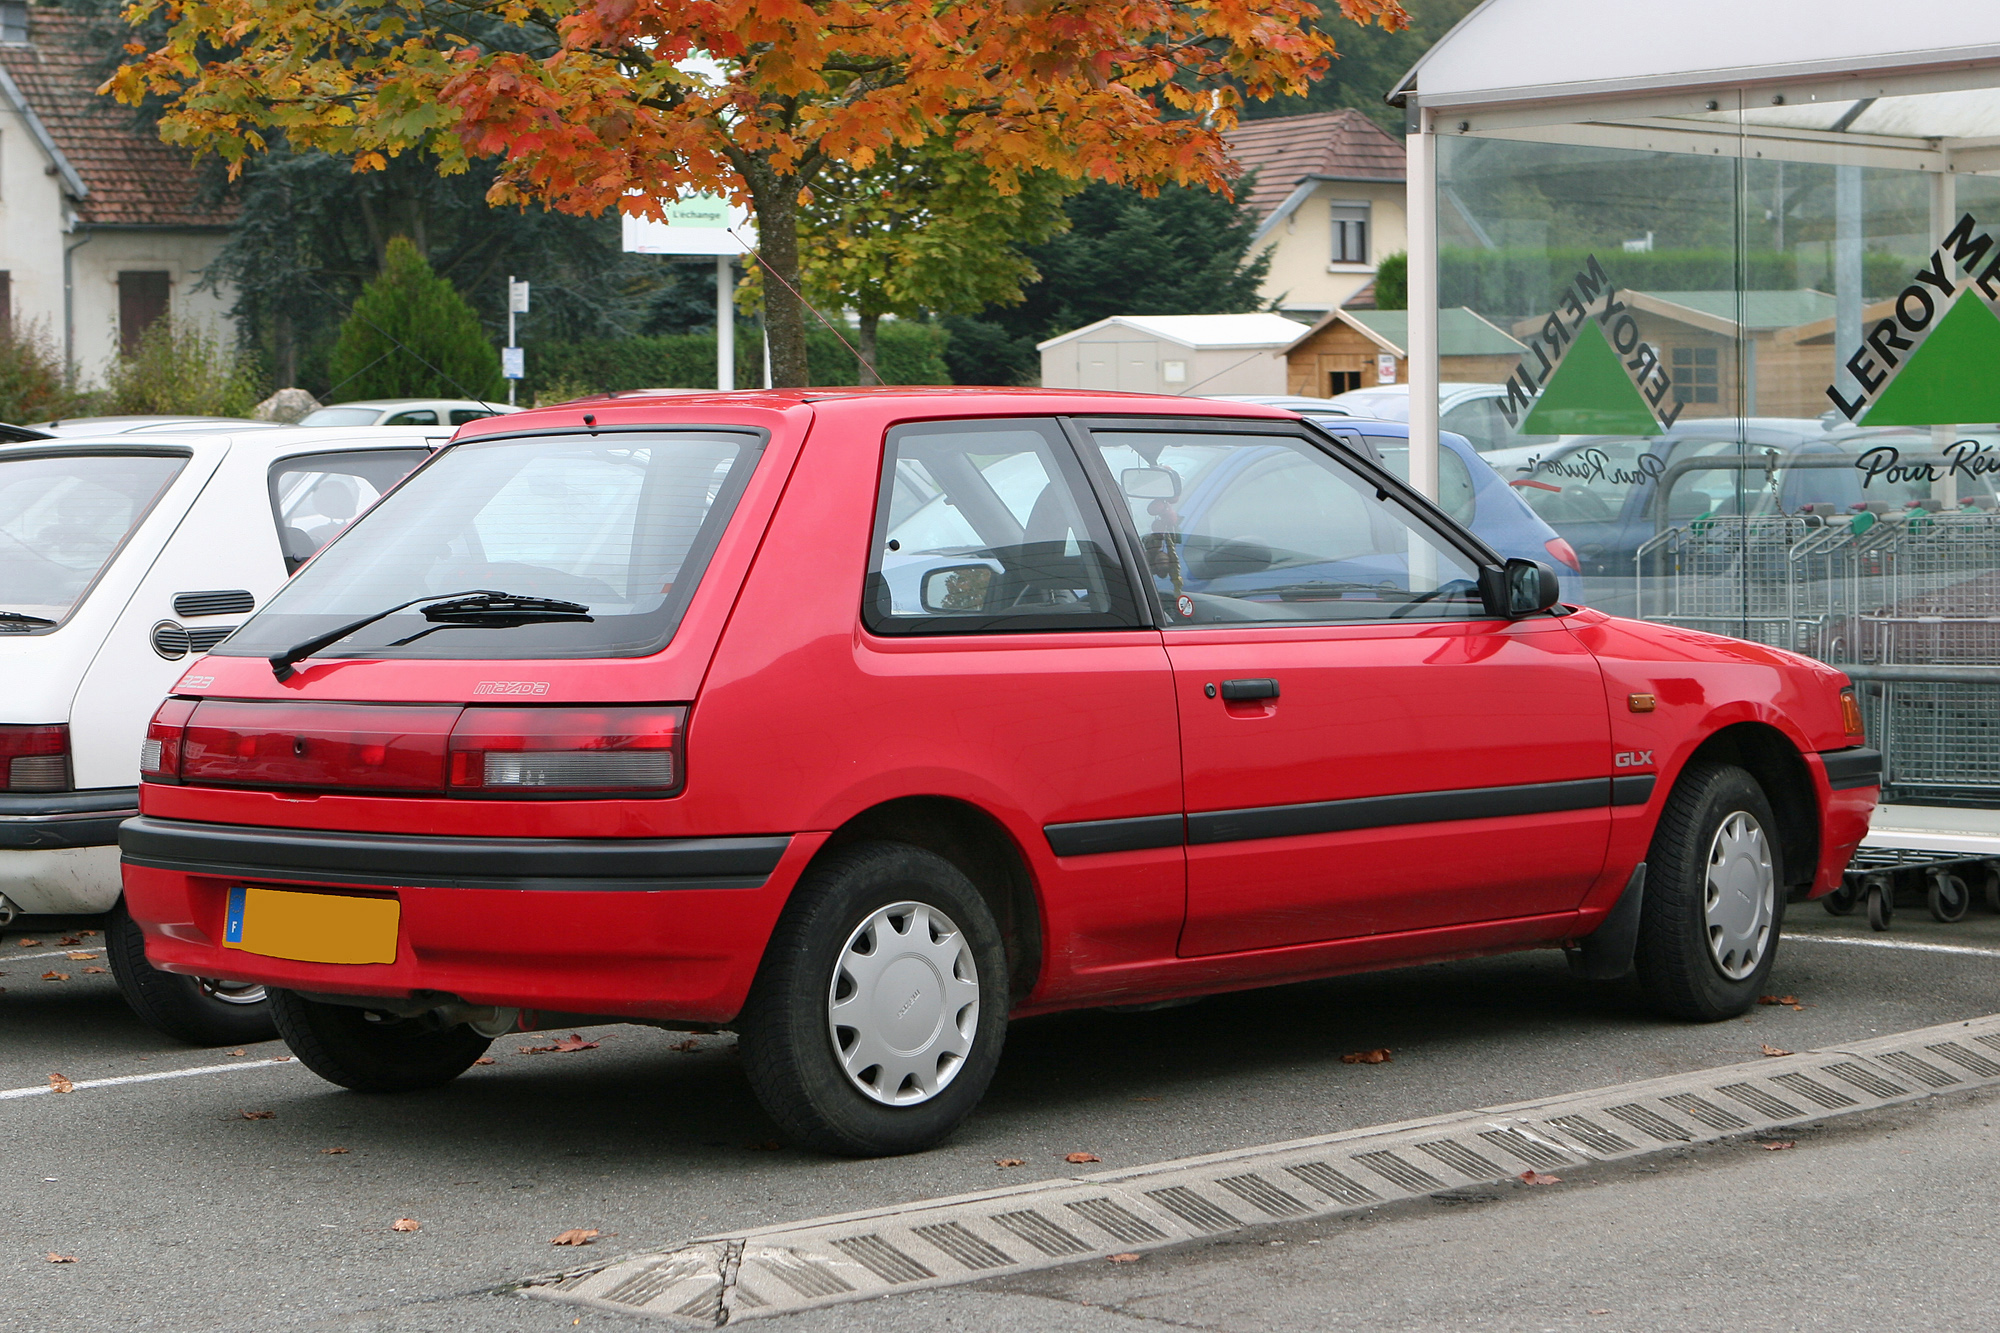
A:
(13, 22)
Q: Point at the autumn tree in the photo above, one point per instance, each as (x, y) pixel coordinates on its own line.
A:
(629, 103)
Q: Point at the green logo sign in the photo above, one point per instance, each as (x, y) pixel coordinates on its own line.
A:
(1936, 360)
(1591, 373)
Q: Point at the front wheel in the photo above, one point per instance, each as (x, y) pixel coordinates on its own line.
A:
(876, 1020)
(201, 1011)
(1714, 902)
(374, 1052)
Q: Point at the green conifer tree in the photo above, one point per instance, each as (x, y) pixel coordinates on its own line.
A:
(411, 335)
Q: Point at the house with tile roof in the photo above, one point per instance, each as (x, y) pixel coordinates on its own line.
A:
(1329, 196)
(103, 228)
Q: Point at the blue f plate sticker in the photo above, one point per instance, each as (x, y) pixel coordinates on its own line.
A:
(232, 923)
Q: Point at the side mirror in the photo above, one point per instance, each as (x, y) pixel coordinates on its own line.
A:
(1519, 588)
(957, 589)
(1150, 483)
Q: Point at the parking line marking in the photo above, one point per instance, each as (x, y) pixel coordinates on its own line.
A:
(79, 1085)
(57, 953)
(1916, 945)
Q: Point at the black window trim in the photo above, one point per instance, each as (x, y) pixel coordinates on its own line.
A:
(289, 464)
(1386, 483)
(1136, 614)
(138, 521)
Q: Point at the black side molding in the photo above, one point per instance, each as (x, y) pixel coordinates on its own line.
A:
(1636, 789)
(1848, 769)
(1427, 807)
(34, 821)
(643, 865)
(1114, 835)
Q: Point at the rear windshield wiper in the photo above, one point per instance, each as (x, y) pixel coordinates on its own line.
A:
(23, 618)
(473, 607)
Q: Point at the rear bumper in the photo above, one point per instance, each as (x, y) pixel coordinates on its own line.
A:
(39, 821)
(669, 928)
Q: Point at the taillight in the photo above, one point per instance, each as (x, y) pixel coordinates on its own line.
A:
(34, 758)
(1564, 552)
(1850, 714)
(529, 751)
(160, 752)
(367, 747)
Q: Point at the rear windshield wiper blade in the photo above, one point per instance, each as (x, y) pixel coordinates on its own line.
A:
(468, 610)
(23, 618)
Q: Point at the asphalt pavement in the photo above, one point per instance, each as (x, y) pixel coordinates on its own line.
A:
(183, 1213)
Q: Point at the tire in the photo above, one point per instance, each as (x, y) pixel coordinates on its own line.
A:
(374, 1052)
(1948, 896)
(1696, 960)
(811, 1072)
(1841, 902)
(196, 1010)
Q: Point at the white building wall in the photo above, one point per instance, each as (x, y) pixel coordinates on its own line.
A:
(1303, 276)
(96, 264)
(31, 212)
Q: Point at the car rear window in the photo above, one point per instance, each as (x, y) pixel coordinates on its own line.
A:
(621, 523)
(63, 516)
(341, 416)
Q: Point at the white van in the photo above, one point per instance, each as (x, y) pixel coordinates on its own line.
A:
(123, 558)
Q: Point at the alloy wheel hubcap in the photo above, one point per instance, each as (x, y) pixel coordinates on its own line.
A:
(1741, 895)
(904, 1004)
(230, 992)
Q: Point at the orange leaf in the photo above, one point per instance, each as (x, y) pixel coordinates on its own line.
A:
(89, 970)
(27, 944)
(575, 1236)
(55, 976)
(1769, 1049)
(258, 1115)
(1080, 1158)
(1779, 1145)
(333, 1152)
(573, 1042)
(1008, 1161)
(55, 1258)
(1121, 1258)
(1379, 1056)
(1532, 1177)
(80, 957)
(57, 1083)
(484, 1060)
(406, 1224)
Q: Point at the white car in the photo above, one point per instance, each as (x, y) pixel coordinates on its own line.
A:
(71, 427)
(453, 412)
(123, 557)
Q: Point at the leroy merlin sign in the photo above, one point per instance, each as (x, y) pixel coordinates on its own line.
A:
(1936, 360)
(1587, 371)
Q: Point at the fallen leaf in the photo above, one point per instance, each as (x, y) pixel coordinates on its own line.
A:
(484, 1060)
(1779, 1145)
(280, 1059)
(573, 1042)
(69, 939)
(27, 944)
(1379, 1056)
(1121, 1258)
(1081, 1157)
(1769, 1049)
(235, 1052)
(57, 1083)
(1600, 1312)
(55, 976)
(55, 1258)
(406, 1224)
(575, 1236)
(80, 957)
(88, 971)
(1009, 1161)
(258, 1115)
(689, 1045)
(334, 1152)
(1533, 1177)
(87, 933)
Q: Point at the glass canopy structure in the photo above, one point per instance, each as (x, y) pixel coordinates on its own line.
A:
(1753, 252)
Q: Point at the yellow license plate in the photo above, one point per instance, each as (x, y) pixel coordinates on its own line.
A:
(311, 927)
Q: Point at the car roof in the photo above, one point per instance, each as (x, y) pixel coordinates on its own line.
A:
(273, 441)
(386, 403)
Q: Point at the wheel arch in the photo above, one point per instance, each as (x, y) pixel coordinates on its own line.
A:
(980, 846)
(1770, 757)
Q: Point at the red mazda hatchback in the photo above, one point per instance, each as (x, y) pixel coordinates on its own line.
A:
(860, 721)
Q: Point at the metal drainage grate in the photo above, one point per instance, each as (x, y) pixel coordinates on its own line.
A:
(1866, 1079)
(1461, 1159)
(1707, 1112)
(958, 1241)
(1334, 1185)
(1041, 1233)
(1513, 1141)
(1194, 1210)
(1760, 1101)
(1965, 1058)
(1119, 1223)
(1261, 1194)
(808, 1277)
(1813, 1091)
(882, 1259)
(653, 1281)
(1399, 1172)
(1590, 1134)
(1905, 1063)
(1650, 1123)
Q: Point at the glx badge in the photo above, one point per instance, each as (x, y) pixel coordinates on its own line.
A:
(1633, 759)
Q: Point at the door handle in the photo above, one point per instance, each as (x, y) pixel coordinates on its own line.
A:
(1250, 689)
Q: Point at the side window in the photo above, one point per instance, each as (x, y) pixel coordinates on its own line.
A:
(1455, 495)
(1590, 482)
(1479, 421)
(422, 416)
(1270, 528)
(461, 415)
(315, 496)
(990, 526)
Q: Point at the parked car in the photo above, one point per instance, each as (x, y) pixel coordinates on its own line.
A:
(122, 558)
(144, 425)
(17, 434)
(1468, 489)
(404, 412)
(614, 711)
(1471, 410)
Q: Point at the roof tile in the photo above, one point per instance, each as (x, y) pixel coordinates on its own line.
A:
(1285, 150)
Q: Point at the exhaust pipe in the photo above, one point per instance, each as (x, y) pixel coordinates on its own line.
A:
(7, 911)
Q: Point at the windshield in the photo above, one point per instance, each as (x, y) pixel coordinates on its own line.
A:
(62, 517)
(621, 523)
(344, 416)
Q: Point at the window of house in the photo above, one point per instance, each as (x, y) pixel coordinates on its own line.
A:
(1350, 233)
(142, 300)
(6, 302)
(1342, 381)
(1697, 375)
(13, 22)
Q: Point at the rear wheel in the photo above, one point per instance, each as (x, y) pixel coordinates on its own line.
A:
(370, 1051)
(202, 1011)
(876, 1020)
(1713, 907)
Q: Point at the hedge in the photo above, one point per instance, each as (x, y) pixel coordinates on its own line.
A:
(907, 353)
(1518, 282)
